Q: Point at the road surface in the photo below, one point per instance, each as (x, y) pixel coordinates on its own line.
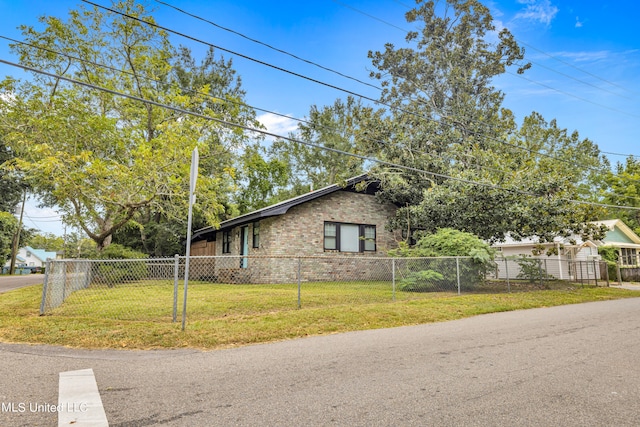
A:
(8, 283)
(574, 365)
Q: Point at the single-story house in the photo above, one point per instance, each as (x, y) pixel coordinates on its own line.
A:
(569, 261)
(335, 221)
(30, 257)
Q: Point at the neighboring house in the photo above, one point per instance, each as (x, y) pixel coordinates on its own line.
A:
(29, 257)
(571, 252)
(625, 239)
(332, 221)
(567, 264)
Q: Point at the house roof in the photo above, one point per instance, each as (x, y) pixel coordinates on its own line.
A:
(609, 240)
(282, 207)
(612, 224)
(41, 254)
(535, 240)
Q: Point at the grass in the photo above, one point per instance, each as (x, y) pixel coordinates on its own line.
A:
(218, 316)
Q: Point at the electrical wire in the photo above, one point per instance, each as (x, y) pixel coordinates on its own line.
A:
(264, 110)
(264, 132)
(534, 63)
(114, 69)
(344, 75)
(284, 52)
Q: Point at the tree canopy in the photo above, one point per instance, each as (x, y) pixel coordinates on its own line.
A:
(480, 172)
(102, 158)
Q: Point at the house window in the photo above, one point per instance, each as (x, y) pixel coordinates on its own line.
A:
(226, 242)
(256, 234)
(349, 237)
(629, 256)
(369, 238)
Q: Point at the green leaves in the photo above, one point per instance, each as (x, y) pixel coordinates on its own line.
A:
(101, 158)
(8, 227)
(448, 119)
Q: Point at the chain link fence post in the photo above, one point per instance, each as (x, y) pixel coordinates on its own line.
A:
(44, 286)
(176, 278)
(458, 273)
(393, 279)
(299, 280)
(506, 269)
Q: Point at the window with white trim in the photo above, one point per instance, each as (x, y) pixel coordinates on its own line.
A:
(344, 237)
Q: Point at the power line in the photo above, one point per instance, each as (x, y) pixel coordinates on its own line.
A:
(375, 18)
(620, 154)
(300, 120)
(284, 52)
(536, 49)
(261, 131)
(378, 102)
(531, 151)
(572, 66)
(575, 96)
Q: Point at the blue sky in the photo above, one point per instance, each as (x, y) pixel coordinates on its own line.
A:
(585, 56)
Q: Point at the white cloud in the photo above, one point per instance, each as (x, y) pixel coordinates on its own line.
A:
(278, 125)
(578, 23)
(585, 56)
(537, 10)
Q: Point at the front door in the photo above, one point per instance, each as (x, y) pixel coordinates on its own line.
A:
(244, 245)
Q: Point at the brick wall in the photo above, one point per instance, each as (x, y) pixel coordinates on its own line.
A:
(300, 232)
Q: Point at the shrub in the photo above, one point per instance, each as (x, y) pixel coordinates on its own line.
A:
(610, 255)
(421, 281)
(111, 273)
(448, 242)
(531, 270)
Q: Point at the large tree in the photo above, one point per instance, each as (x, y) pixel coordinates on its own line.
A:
(624, 190)
(100, 157)
(446, 119)
(9, 182)
(334, 127)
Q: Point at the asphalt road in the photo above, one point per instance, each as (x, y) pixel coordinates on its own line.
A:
(8, 283)
(574, 365)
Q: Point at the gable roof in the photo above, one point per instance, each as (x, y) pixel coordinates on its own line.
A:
(612, 224)
(282, 207)
(612, 237)
(41, 254)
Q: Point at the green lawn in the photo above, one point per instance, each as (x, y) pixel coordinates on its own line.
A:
(133, 316)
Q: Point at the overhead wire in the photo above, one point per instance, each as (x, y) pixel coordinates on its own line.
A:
(264, 132)
(316, 81)
(360, 95)
(235, 102)
(576, 97)
(284, 52)
(535, 63)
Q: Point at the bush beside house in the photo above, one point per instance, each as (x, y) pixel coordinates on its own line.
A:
(442, 273)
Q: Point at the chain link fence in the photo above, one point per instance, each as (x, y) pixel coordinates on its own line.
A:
(153, 289)
(546, 270)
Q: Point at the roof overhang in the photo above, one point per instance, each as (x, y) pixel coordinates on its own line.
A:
(283, 207)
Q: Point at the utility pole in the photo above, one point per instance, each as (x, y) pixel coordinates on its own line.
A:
(16, 237)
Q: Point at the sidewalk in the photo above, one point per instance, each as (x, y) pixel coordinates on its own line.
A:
(632, 286)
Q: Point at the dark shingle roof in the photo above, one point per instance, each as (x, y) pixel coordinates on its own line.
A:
(282, 207)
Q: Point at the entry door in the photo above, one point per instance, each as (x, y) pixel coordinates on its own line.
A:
(244, 245)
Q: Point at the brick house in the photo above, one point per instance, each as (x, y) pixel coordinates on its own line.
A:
(333, 222)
